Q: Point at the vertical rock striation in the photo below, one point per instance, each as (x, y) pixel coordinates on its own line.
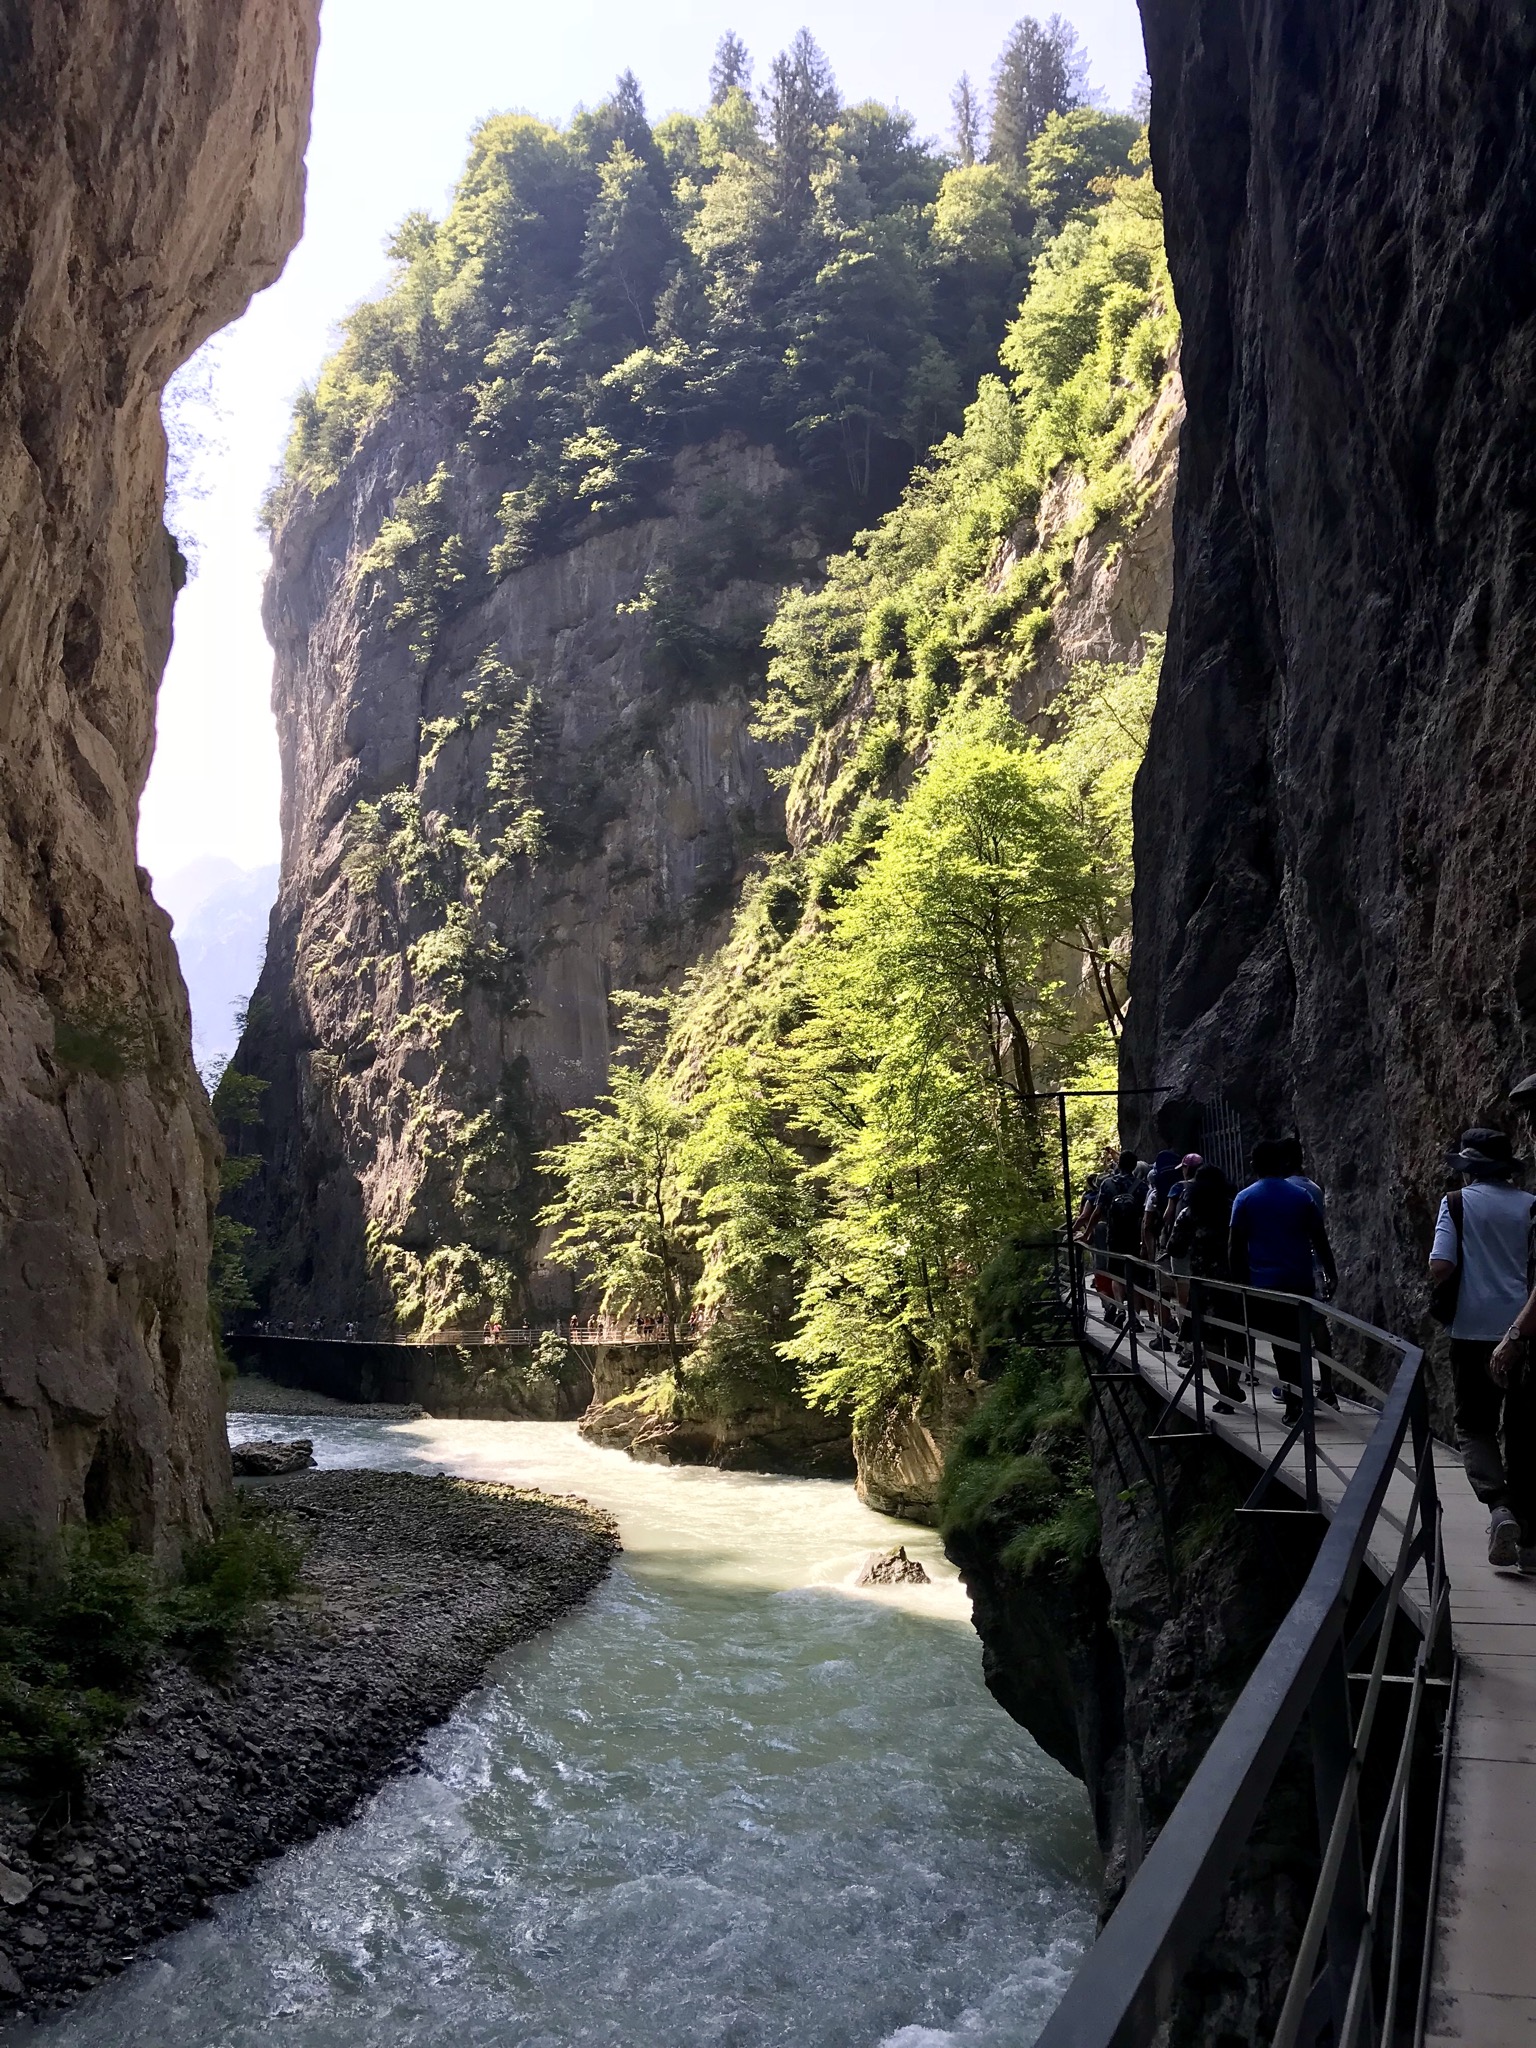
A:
(151, 172)
(597, 809)
(1336, 902)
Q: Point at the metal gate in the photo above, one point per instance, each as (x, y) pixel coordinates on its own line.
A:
(1222, 1140)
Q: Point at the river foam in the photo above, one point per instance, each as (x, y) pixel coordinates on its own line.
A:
(732, 1803)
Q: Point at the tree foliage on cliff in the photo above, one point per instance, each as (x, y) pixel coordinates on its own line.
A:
(803, 269)
(853, 1073)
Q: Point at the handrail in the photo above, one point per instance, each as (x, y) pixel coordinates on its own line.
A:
(1125, 1988)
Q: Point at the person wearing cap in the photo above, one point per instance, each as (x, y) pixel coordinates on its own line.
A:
(1482, 1245)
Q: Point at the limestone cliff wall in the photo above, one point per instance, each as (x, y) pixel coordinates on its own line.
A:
(150, 180)
(408, 1091)
(1336, 899)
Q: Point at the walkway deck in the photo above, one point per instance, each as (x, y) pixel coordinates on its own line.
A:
(1485, 1956)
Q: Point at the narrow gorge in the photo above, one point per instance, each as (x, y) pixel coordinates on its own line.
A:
(802, 653)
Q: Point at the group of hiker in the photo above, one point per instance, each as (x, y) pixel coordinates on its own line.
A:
(1183, 1217)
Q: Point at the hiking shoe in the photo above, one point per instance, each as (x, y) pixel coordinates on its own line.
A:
(1503, 1539)
(1329, 1395)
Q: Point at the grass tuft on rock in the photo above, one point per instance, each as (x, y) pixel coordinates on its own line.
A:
(83, 1618)
(1017, 1480)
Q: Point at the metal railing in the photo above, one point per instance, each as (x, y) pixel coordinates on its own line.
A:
(513, 1336)
(1363, 1962)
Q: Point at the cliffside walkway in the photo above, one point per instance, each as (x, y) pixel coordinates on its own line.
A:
(1484, 1977)
(1376, 1471)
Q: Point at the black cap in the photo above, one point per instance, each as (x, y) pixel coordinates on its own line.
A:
(1483, 1150)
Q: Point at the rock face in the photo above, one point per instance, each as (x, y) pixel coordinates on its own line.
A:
(892, 1568)
(416, 1063)
(152, 180)
(1124, 1665)
(265, 1458)
(765, 1435)
(1336, 901)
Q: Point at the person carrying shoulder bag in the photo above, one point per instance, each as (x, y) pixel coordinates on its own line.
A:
(1479, 1272)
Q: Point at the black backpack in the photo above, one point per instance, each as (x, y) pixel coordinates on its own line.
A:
(1122, 1216)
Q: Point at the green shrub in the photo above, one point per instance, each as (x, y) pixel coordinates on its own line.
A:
(1017, 1479)
(249, 1558)
(82, 1619)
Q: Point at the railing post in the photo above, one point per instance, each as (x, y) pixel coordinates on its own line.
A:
(1333, 1743)
(1197, 1343)
(1308, 1403)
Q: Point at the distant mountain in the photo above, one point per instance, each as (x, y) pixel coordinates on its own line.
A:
(219, 912)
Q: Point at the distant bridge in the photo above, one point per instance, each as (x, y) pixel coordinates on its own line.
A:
(593, 1332)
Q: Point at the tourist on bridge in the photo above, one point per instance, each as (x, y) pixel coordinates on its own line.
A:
(1118, 1213)
(1479, 1271)
(1295, 1165)
(1199, 1246)
(1276, 1230)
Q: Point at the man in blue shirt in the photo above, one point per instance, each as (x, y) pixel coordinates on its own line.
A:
(1276, 1229)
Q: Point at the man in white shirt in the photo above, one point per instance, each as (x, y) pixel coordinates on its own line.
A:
(1483, 1242)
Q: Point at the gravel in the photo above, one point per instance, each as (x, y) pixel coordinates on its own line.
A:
(250, 1394)
(329, 1694)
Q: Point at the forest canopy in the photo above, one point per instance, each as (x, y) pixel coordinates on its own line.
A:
(799, 267)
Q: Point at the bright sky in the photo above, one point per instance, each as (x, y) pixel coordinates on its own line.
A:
(399, 86)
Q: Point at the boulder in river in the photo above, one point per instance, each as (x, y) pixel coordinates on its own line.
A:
(264, 1458)
(892, 1568)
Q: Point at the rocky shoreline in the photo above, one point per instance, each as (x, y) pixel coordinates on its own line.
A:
(326, 1698)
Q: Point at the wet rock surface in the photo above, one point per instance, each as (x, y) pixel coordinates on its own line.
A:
(764, 1434)
(266, 1457)
(410, 1586)
(1124, 1665)
(892, 1568)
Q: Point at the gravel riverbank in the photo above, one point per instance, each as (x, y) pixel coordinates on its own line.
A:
(410, 1586)
(251, 1394)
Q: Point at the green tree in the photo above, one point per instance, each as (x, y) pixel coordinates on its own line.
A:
(731, 70)
(801, 103)
(1070, 160)
(1042, 71)
(967, 111)
(1105, 714)
(236, 1102)
(624, 257)
(623, 1213)
(933, 1005)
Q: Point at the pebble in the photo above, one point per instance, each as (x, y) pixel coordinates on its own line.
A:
(14, 1888)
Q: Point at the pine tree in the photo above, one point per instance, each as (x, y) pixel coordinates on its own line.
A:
(624, 257)
(1042, 71)
(731, 70)
(967, 112)
(801, 103)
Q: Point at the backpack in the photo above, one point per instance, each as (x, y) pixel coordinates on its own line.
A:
(1123, 1214)
(1444, 1294)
